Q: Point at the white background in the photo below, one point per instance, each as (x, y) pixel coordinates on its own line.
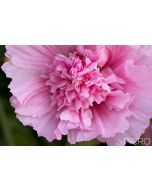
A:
(75, 22)
(75, 168)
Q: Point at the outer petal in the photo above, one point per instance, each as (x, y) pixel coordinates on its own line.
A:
(36, 106)
(139, 85)
(33, 56)
(105, 124)
(118, 54)
(113, 121)
(45, 125)
(25, 83)
(117, 140)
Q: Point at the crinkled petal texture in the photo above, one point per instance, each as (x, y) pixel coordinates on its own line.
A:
(84, 92)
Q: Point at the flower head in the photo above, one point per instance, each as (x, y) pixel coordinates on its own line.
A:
(84, 92)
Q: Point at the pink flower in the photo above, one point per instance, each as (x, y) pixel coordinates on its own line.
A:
(84, 92)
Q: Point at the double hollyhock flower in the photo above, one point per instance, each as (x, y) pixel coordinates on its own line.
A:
(84, 92)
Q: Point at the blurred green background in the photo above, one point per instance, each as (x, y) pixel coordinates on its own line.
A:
(12, 132)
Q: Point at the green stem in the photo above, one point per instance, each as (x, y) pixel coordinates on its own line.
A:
(5, 125)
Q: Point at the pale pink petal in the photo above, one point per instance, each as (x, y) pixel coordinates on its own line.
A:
(84, 92)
